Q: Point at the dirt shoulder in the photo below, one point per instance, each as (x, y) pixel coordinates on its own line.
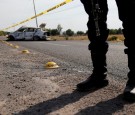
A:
(27, 88)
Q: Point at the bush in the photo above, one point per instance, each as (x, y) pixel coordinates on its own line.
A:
(2, 33)
(112, 38)
(66, 38)
(54, 32)
(69, 32)
(80, 33)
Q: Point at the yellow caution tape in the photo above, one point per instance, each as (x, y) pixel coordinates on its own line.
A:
(44, 12)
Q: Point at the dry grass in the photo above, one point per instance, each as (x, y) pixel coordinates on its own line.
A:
(115, 38)
(69, 38)
(110, 38)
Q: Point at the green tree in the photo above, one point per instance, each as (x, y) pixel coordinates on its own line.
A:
(2, 33)
(119, 31)
(80, 33)
(42, 26)
(54, 32)
(69, 32)
(115, 31)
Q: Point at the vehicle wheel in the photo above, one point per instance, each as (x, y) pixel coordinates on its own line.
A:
(23, 39)
(36, 38)
(11, 38)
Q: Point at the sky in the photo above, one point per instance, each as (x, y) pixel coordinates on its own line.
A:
(70, 16)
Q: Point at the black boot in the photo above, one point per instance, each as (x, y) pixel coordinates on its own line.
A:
(129, 91)
(98, 77)
(91, 83)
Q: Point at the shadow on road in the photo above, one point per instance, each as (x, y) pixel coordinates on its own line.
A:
(102, 108)
(52, 105)
(105, 108)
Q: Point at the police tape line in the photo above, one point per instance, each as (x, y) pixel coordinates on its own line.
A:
(42, 13)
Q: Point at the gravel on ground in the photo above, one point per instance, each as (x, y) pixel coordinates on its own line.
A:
(28, 88)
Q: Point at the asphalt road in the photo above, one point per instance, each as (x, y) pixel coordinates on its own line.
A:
(27, 88)
(77, 54)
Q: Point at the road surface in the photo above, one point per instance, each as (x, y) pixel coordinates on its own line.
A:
(27, 88)
(77, 54)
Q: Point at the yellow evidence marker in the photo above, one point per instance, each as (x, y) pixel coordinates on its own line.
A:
(51, 65)
(26, 51)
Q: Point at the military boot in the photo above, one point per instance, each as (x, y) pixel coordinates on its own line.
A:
(98, 77)
(129, 91)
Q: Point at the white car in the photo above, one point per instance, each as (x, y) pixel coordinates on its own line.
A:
(29, 33)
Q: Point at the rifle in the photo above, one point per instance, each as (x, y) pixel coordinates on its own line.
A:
(96, 12)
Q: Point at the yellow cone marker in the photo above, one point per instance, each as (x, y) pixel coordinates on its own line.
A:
(25, 51)
(51, 65)
(16, 46)
(11, 45)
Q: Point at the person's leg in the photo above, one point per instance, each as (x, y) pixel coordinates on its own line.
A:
(126, 10)
(98, 46)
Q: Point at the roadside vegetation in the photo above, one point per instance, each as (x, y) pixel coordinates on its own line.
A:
(69, 34)
(57, 34)
(3, 33)
(116, 37)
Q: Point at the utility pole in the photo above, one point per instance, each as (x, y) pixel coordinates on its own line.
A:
(35, 13)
